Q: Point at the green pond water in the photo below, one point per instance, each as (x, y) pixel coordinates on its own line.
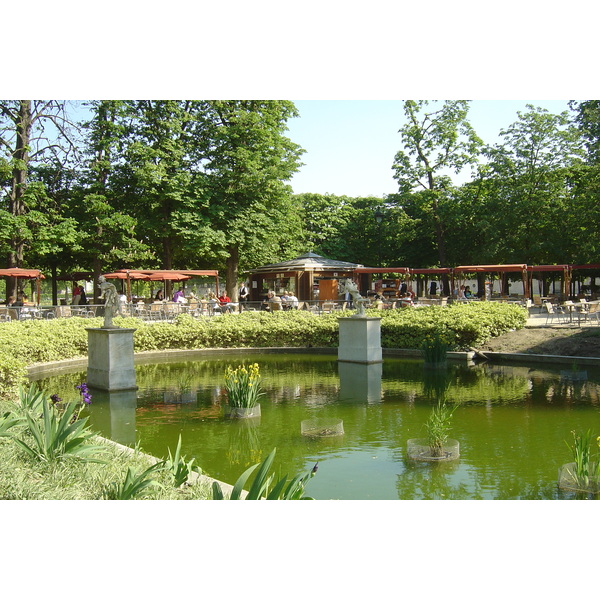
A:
(512, 422)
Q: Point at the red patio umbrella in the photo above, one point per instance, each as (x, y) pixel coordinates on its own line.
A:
(22, 273)
(125, 275)
(128, 275)
(25, 274)
(168, 276)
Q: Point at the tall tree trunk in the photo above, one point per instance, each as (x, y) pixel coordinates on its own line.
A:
(439, 234)
(19, 185)
(232, 265)
(168, 264)
(102, 158)
(54, 285)
(97, 268)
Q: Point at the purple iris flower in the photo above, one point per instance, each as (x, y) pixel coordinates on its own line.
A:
(55, 398)
(85, 393)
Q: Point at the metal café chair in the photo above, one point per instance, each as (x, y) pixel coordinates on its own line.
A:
(594, 312)
(554, 313)
(583, 311)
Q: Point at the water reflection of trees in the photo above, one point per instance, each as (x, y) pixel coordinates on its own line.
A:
(454, 481)
(552, 389)
(431, 481)
(62, 384)
(461, 384)
(496, 420)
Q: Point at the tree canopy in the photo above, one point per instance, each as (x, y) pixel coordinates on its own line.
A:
(206, 184)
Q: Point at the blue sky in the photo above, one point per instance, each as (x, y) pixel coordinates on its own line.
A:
(350, 144)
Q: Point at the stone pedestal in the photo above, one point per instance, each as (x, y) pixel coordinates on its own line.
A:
(360, 340)
(110, 359)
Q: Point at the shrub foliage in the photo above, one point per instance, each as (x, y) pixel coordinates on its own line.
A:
(460, 325)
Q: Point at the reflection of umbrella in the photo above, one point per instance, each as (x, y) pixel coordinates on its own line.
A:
(24, 274)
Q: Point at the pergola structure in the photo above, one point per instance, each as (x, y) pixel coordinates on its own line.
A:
(421, 276)
(495, 269)
(576, 270)
(365, 276)
(434, 273)
(564, 272)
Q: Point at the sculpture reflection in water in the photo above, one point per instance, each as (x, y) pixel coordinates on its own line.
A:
(360, 382)
(113, 415)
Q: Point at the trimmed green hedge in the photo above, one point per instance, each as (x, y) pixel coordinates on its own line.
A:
(461, 325)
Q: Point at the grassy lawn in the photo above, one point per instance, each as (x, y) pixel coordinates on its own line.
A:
(23, 477)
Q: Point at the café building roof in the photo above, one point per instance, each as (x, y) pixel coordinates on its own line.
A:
(308, 262)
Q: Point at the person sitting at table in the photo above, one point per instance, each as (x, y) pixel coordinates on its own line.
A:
(159, 295)
(377, 301)
(179, 296)
(461, 293)
(225, 302)
(468, 293)
(292, 300)
(18, 301)
(273, 302)
(406, 300)
(212, 302)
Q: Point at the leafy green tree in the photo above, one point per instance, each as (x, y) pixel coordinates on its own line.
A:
(588, 120)
(247, 165)
(55, 235)
(32, 132)
(162, 179)
(435, 143)
(585, 184)
(420, 248)
(528, 189)
(324, 219)
(369, 242)
(468, 226)
(345, 228)
(111, 237)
